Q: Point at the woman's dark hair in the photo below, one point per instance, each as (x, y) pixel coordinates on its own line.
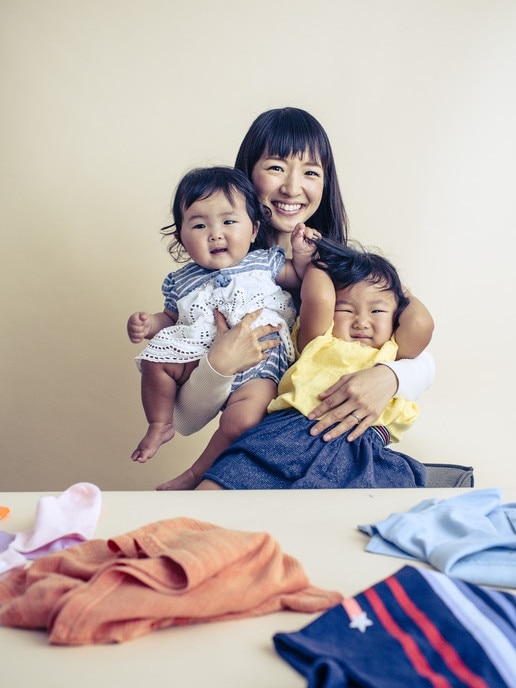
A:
(202, 183)
(348, 265)
(290, 131)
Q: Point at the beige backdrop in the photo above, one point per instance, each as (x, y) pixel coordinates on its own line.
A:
(105, 103)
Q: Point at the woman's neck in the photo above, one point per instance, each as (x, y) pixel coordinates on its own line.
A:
(283, 239)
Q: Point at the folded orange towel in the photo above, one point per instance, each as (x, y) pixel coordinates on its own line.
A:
(171, 572)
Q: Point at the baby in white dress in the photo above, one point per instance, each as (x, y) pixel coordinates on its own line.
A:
(220, 224)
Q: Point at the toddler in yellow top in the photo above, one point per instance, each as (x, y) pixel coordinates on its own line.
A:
(351, 301)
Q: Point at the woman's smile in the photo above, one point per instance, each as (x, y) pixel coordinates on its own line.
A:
(287, 207)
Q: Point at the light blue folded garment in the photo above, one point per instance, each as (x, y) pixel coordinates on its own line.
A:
(471, 536)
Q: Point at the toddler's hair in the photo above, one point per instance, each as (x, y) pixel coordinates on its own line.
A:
(203, 182)
(348, 265)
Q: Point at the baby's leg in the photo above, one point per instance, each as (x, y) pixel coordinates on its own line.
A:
(209, 485)
(245, 408)
(159, 385)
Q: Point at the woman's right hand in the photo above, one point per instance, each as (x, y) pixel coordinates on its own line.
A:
(355, 401)
(239, 348)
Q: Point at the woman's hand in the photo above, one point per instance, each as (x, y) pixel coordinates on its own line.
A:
(239, 348)
(357, 399)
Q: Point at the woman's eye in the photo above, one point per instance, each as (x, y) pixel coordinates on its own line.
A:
(275, 168)
(312, 173)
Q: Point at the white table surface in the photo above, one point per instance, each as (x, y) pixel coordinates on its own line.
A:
(318, 527)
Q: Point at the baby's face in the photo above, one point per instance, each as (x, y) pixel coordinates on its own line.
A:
(364, 313)
(216, 233)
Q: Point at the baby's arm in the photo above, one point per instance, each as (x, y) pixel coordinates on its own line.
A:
(293, 271)
(317, 305)
(415, 329)
(142, 325)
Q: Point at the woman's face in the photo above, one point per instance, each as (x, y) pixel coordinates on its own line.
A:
(291, 188)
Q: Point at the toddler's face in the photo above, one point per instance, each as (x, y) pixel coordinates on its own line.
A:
(364, 313)
(216, 233)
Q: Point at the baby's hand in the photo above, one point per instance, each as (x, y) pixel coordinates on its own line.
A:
(138, 326)
(301, 238)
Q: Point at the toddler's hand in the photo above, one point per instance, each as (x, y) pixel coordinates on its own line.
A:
(301, 238)
(138, 326)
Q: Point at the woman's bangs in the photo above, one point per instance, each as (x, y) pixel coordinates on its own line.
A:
(296, 142)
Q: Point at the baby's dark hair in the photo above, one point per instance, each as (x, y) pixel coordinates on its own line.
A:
(348, 265)
(203, 182)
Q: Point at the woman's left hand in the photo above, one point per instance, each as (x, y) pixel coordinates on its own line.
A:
(356, 400)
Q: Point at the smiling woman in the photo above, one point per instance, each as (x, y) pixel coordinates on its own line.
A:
(287, 155)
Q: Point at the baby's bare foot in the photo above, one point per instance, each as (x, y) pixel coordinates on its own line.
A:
(156, 435)
(186, 481)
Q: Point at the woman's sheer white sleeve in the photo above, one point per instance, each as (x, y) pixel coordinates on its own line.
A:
(200, 398)
(415, 375)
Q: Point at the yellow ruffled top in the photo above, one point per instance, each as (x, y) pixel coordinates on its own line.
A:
(324, 361)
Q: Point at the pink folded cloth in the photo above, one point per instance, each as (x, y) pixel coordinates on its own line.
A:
(60, 522)
(172, 572)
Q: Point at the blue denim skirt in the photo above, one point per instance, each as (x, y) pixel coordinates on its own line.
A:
(280, 453)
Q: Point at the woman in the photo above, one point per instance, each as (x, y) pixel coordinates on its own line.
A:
(287, 155)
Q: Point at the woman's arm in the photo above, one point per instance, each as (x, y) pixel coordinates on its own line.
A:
(415, 329)
(414, 375)
(200, 398)
(233, 350)
(366, 394)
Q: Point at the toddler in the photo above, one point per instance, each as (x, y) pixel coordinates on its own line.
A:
(221, 226)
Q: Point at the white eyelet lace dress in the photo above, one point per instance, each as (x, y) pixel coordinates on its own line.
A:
(195, 292)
